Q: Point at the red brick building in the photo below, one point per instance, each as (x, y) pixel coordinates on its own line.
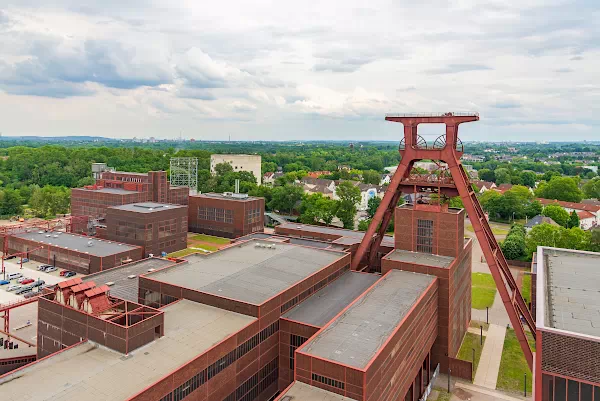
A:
(226, 215)
(115, 188)
(430, 240)
(78, 253)
(567, 304)
(156, 227)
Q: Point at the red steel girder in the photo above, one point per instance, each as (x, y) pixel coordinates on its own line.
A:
(412, 150)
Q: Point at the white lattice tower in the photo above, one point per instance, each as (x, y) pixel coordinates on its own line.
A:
(183, 172)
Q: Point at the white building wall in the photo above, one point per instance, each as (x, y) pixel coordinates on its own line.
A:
(251, 163)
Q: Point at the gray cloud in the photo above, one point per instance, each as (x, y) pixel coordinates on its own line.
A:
(458, 68)
(563, 70)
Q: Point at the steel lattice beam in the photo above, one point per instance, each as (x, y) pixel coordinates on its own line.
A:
(183, 172)
(447, 148)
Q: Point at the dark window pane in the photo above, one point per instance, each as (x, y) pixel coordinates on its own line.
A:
(586, 392)
(573, 390)
(560, 389)
(547, 388)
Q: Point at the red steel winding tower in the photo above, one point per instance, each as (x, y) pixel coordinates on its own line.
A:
(447, 148)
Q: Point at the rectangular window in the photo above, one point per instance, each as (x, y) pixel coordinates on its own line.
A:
(328, 381)
(295, 342)
(424, 236)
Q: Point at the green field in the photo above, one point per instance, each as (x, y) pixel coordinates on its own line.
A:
(483, 290)
(513, 365)
(476, 324)
(470, 342)
(210, 238)
(526, 288)
(495, 230)
(195, 249)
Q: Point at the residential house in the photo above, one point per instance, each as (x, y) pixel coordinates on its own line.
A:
(483, 186)
(537, 220)
(578, 207)
(386, 179)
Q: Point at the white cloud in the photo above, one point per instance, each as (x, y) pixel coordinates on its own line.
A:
(528, 67)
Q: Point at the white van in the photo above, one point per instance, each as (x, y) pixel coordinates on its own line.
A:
(11, 276)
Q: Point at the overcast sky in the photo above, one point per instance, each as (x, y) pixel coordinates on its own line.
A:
(283, 70)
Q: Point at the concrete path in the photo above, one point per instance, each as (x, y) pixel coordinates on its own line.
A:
(489, 364)
(464, 391)
(497, 313)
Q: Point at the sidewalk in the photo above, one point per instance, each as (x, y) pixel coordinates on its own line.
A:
(489, 364)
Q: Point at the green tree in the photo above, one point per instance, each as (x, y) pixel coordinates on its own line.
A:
(223, 168)
(575, 238)
(349, 197)
(371, 177)
(50, 201)
(316, 208)
(558, 214)
(542, 235)
(502, 176)
(591, 189)
(262, 191)
(10, 202)
(533, 208)
(573, 220)
(372, 206)
(486, 174)
(268, 167)
(560, 188)
(284, 198)
(528, 178)
(363, 225)
(513, 248)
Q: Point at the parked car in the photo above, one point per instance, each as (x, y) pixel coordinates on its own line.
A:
(13, 287)
(12, 276)
(43, 267)
(10, 257)
(63, 272)
(4, 282)
(21, 279)
(70, 274)
(31, 294)
(43, 287)
(24, 289)
(50, 269)
(25, 260)
(28, 281)
(38, 283)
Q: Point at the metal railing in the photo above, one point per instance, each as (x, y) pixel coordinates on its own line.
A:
(448, 114)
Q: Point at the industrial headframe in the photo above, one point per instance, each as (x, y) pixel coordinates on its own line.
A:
(450, 181)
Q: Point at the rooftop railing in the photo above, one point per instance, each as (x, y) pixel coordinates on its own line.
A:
(449, 114)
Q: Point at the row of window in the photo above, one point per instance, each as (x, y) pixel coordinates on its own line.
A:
(556, 388)
(253, 215)
(251, 388)
(15, 361)
(202, 377)
(295, 342)
(328, 381)
(215, 214)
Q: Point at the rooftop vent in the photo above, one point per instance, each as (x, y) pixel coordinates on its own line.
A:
(151, 269)
(90, 243)
(48, 235)
(131, 276)
(110, 283)
(40, 232)
(55, 236)
(228, 194)
(239, 196)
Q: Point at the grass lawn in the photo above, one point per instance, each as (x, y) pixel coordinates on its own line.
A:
(195, 249)
(483, 290)
(495, 230)
(513, 365)
(470, 342)
(526, 288)
(443, 395)
(477, 323)
(211, 239)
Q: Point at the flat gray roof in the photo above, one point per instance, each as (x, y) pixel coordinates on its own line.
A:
(356, 336)
(147, 207)
(74, 242)
(353, 237)
(95, 373)
(421, 258)
(233, 197)
(571, 290)
(251, 272)
(125, 287)
(304, 392)
(323, 306)
(110, 190)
